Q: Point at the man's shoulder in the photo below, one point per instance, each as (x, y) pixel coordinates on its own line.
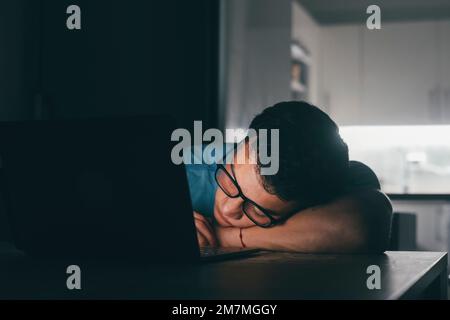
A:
(361, 176)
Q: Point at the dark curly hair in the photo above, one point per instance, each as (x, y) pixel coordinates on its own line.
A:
(313, 158)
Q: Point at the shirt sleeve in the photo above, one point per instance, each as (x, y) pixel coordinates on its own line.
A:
(202, 187)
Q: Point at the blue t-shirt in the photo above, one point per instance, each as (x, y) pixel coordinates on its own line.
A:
(202, 183)
(202, 187)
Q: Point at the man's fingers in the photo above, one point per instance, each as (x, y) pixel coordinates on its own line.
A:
(202, 242)
(206, 231)
(210, 237)
(200, 217)
(205, 224)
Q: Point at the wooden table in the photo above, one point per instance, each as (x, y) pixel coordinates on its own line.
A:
(268, 275)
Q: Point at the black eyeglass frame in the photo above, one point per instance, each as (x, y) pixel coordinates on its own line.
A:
(266, 212)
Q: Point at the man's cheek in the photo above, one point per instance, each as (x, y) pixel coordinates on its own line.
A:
(246, 222)
(218, 215)
(219, 209)
(219, 196)
(243, 222)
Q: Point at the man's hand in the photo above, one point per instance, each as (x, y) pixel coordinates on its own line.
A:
(228, 236)
(205, 232)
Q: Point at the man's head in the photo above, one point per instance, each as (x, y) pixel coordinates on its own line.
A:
(313, 162)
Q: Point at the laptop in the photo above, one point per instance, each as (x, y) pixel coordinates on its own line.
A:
(91, 189)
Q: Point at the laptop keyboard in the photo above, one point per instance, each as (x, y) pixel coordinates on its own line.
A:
(210, 251)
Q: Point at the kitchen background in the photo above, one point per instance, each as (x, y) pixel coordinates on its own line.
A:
(388, 90)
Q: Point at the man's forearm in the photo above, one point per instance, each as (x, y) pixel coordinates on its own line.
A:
(338, 227)
(299, 233)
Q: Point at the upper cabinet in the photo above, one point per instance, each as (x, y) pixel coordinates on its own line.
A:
(340, 77)
(399, 70)
(444, 70)
(398, 75)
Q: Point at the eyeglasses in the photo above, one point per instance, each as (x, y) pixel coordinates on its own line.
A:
(227, 182)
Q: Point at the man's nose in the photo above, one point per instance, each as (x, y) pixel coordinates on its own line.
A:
(233, 208)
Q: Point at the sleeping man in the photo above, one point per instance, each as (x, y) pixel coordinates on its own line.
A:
(318, 201)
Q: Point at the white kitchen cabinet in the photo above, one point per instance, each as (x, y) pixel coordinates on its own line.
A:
(340, 78)
(444, 70)
(399, 74)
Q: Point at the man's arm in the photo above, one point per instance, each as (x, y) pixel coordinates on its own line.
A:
(359, 222)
